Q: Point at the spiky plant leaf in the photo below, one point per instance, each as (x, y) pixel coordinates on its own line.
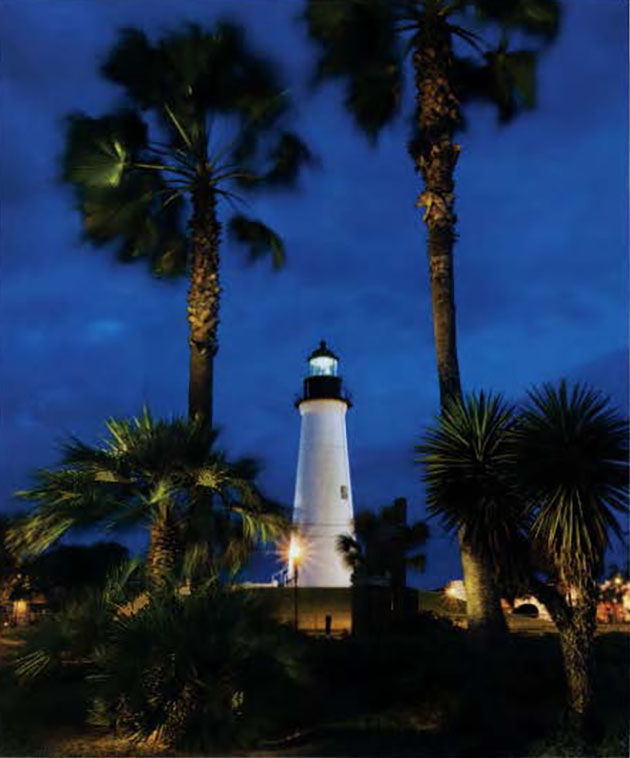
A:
(467, 466)
(572, 452)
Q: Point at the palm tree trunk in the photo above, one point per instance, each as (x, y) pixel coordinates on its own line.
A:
(164, 547)
(203, 300)
(483, 602)
(435, 154)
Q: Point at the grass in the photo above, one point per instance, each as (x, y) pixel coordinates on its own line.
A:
(429, 693)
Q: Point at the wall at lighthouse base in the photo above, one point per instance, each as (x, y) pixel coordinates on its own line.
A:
(357, 610)
(314, 604)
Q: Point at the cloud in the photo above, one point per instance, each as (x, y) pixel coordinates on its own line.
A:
(103, 329)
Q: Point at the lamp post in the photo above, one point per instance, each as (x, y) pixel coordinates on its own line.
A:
(295, 594)
(295, 553)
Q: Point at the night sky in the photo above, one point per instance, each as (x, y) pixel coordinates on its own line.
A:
(541, 263)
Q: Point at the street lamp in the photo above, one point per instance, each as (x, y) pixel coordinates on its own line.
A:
(295, 553)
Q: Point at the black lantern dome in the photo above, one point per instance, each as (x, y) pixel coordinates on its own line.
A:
(322, 381)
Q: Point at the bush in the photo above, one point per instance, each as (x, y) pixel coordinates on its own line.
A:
(203, 672)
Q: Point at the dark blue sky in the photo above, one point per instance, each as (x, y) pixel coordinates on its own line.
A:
(541, 264)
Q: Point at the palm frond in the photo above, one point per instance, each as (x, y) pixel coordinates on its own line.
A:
(260, 240)
(537, 18)
(98, 150)
(357, 41)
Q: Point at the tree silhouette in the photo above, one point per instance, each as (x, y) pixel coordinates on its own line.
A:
(204, 117)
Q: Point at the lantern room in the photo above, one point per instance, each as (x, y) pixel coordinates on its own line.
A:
(322, 361)
(322, 381)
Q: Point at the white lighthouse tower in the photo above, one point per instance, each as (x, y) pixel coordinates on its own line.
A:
(322, 507)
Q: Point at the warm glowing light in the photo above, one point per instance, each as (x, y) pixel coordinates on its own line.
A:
(618, 581)
(295, 550)
(20, 610)
(451, 592)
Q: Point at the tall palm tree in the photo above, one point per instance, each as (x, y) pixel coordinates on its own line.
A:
(571, 452)
(203, 115)
(466, 460)
(366, 42)
(160, 474)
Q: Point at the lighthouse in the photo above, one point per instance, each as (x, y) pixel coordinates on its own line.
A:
(322, 507)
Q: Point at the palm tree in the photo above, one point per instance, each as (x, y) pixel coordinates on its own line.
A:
(203, 672)
(204, 114)
(571, 451)
(206, 672)
(384, 545)
(366, 43)
(466, 460)
(161, 474)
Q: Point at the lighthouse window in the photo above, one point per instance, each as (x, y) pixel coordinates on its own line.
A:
(323, 366)
(344, 492)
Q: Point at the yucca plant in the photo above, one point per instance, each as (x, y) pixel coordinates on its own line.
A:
(571, 453)
(205, 118)
(202, 511)
(467, 466)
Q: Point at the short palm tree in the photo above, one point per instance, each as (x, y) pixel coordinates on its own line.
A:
(205, 672)
(160, 474)
(367, 43)
(204, 115)
(384, 545)
(381, 542)
(571, 450)
(467, 468)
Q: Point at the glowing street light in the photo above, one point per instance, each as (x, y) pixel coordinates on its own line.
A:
(295, 554)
